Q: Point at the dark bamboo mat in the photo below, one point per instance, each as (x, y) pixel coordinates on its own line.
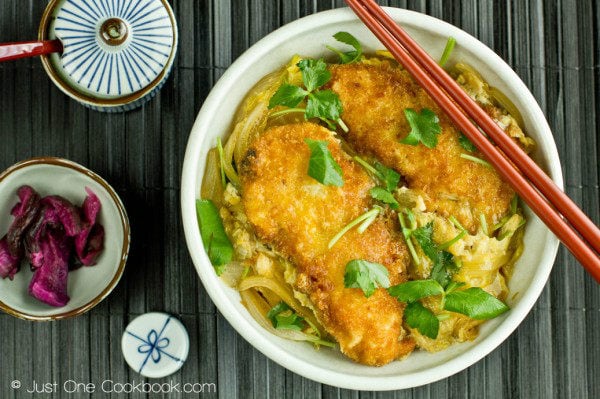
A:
(554, 47)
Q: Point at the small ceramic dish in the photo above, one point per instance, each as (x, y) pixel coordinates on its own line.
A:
(308, 37)
(116, 55)
(87, 286)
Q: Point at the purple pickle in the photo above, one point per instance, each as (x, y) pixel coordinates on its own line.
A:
(9, 265)
(25, 194)
(55, 236)
(93, 247)
(46, 219)
(90, 242)
(49, 282)
(25, 212)
(68, 214)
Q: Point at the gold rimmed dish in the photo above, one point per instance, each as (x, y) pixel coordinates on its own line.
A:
(88, 285)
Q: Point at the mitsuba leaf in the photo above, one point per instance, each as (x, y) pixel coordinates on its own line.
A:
(384, 196)
(215, 240)
(419, 317)
(275, 310)
(424, 236)
(323, 104)
(412, 291)
(475, 303)
(443, 268)
(443, 261)
(349, 56)
(425, 127)
(284, 318)
(322, 167)
(366, 275)
(287, 95)
(466, 143)
(390, 177)
(314, 73)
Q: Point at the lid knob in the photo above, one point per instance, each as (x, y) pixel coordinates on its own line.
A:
(113, 31)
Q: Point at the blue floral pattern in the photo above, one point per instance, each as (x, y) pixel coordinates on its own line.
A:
(154, 346)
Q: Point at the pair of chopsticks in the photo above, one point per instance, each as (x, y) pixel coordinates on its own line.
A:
(580, 235)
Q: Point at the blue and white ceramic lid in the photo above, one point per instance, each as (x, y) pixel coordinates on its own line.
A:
(115, 51)
(155, 344)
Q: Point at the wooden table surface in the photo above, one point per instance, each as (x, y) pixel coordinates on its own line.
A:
(554, 47)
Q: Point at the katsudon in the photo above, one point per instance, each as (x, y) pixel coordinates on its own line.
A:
(349, 212)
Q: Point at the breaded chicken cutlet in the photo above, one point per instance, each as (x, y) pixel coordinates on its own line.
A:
(298, 216)
(374, 99)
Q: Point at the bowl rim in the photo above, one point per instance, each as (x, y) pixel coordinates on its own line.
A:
(55, 161)
(211, 282)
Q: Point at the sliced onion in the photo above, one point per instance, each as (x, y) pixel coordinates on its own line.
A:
(466, 68)
(256, 307)
(507, 104)
(273, 285)
(228, 156)
(251, 127)
(212, 187)
(233, 273)
(280, 290)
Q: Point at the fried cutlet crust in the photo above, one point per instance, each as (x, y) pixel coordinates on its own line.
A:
(374, 99)
(298, 216)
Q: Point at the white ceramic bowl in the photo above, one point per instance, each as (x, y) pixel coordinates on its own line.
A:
(88, 285)
(308, 36)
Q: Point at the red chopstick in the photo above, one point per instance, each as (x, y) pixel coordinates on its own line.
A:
(428, 74)
(13, 51)
(533, 172)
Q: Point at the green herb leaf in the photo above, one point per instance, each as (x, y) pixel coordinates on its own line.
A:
(287, 95)
(475, 303)
(289, 321)
(424, 236)
(390, 177)
(419, 317)
(349, 56)
(284, 318)
(322, 167)
(215, 241)
(323, 104)
(443, 261)
(443, 268)
(424, 127)
(383, 195)
(314, 73)
(466, 143)
(366, 276)
(412, 291)
(275, 310)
